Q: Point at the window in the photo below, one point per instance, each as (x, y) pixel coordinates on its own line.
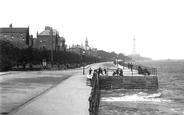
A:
(44, 48)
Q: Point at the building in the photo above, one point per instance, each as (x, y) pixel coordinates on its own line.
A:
(77, 49)
(86, 50)
(34, 43)
(18, 36)
(90, 51)
(61, 44)
(49, 39)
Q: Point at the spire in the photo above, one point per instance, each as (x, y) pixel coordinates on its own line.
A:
(86, 43)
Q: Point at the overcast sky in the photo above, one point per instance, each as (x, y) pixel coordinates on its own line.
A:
(110, 25)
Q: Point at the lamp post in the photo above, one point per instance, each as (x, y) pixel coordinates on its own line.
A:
(117, 61)
(51, 37)
(83, 57)
(123, 61)
(57, 50)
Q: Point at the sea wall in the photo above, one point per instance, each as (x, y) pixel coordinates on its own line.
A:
(128, 82)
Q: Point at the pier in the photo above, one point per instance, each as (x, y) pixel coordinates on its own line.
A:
(132, 78)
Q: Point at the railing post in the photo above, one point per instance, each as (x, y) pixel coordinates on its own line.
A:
(90, 105)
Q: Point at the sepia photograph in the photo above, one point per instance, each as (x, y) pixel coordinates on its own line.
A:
(91, 57)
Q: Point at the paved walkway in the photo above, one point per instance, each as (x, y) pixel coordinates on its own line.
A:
(68, 98)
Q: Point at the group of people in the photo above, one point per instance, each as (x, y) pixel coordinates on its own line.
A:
(118, 72)
(99, 71)
(143, 70)
(130, 66)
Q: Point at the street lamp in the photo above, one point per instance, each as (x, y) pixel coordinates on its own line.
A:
(51, 37)
(123, 61)
(117, 61)
(83, 57)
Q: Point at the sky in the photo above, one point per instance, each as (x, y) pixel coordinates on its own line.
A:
(110, 25)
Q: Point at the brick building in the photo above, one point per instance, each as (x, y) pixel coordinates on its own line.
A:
(77, 49)
(49, 39)
(18, 36)
(61, 43)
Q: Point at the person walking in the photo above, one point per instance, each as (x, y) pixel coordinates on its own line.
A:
(105, 70)
(90, 70)
(131, 66)
(117, 71)
(121, 72)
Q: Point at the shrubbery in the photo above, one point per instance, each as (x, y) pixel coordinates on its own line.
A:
(11, 56)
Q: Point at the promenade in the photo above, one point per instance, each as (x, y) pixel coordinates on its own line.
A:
(68, 98)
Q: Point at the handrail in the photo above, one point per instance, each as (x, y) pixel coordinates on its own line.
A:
(141, 69)
(94, 98)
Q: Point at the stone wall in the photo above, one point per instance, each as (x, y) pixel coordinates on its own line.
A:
(128, 82)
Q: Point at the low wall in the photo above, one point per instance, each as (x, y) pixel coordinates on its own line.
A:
(128, 82)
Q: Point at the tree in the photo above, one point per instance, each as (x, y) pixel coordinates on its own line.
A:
(9, 55)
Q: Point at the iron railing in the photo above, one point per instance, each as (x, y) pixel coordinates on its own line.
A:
(141, 69)
(94, 98)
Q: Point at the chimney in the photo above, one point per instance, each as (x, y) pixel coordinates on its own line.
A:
(47, 28)
(10, 25)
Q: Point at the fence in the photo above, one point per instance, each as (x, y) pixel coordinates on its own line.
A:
(94, 98)
(141, 69)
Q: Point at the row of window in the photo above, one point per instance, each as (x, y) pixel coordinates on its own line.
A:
(43, 41)
(12, 35)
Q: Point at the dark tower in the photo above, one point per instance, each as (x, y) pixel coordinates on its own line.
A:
(86, 43)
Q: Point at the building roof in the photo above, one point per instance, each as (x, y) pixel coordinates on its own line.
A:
(13, 30)
(62, 39)
(75, 46)
(46, 32)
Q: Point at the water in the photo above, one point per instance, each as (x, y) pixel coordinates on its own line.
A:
(167, 100)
